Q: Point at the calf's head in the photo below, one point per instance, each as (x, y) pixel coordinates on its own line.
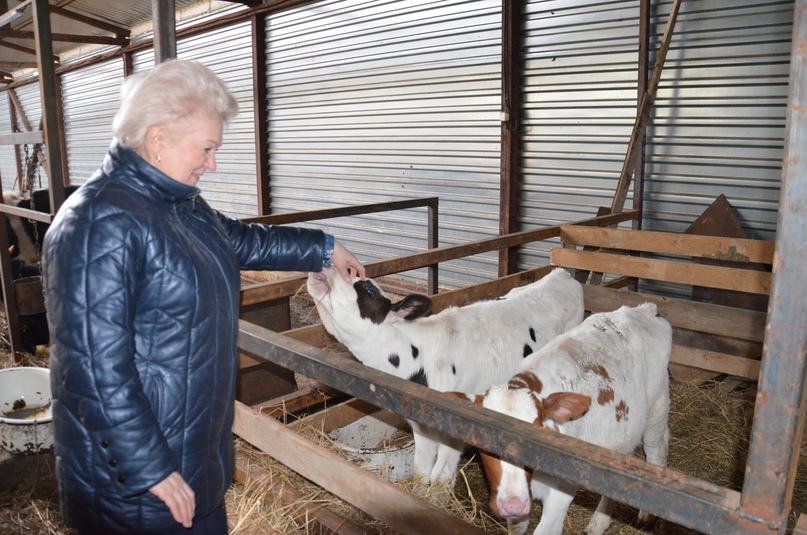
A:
(520, 398)
(346, 306)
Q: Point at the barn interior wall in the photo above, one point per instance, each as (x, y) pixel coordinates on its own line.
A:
(717, 126)
(393, 100)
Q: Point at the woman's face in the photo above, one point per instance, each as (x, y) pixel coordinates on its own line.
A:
(187, 154)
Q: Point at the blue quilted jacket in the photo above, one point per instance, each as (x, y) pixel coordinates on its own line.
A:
(142, 290)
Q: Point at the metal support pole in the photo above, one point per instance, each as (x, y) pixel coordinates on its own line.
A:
(780, 405)
(165, 30)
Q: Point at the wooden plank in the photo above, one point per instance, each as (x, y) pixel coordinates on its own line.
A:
(296, 401)
(717, 362)
(743, 280)
(337, 416)
(712, 247)
(693, 315)
(359, 487)
(316, 518)
(22, 138)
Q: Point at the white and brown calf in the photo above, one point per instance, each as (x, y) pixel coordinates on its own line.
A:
(465, 349)
(604, 382)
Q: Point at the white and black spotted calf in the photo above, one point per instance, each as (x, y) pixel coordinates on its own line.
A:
(466, 349)
(25, 235)
(604, 382)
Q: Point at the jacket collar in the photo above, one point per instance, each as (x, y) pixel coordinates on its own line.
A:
(140, 172)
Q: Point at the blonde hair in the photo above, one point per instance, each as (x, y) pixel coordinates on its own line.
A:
(169, 95)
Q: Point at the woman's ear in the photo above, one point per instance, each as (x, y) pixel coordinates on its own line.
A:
(156, 139)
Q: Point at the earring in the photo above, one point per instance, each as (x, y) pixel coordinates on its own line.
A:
(159, 158)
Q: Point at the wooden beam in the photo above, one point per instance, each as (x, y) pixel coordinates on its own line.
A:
(683, 313)
(316, 518)
(672, 243)
(21, 138)
(643, 115)
(359, 487)
(15, 101)
(740, 280)
(716, 362)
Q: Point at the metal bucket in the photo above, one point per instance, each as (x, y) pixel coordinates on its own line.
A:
(26, 424)
(30, 296)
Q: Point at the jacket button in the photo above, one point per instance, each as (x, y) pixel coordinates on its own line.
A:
(113, 463)
(105, 444)
(121, 480)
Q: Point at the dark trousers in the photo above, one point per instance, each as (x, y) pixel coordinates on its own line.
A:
(213, 524)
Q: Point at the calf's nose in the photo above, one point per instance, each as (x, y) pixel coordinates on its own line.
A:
(514, 506)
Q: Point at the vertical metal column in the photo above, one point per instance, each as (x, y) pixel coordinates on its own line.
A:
(261, 115)
(780, 404)
(50, 101)
(165, 30)
(511, 131)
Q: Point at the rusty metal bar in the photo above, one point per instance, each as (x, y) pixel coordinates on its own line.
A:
(434, 243)
(510, 131)
(432, 203)
(779, 412)
(331, 213)
(164, 17)
(266, 291)
(260, 114)
(90, 21)
(667, 493)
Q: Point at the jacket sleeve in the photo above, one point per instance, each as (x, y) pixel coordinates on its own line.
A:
(277, 248)
(91, 273)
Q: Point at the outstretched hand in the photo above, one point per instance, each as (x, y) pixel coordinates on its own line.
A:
(344, 261)
(178, 496)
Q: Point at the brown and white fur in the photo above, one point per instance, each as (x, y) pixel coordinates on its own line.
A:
(604, 382)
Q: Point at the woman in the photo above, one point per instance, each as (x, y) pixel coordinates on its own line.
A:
(142, 287)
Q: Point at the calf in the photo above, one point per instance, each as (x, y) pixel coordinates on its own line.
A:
(604, 382)
(24, 234)
(467, 349)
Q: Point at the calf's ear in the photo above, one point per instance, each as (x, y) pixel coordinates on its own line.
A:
(563, 406)
(411, 307)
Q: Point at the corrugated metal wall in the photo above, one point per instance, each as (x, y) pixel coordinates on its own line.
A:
(8, 169)
(384, 100)
(719, 119)
(232, 189)
(388, 100)
(90, 99)
(579, 107)
(718, 122)
(28, 95)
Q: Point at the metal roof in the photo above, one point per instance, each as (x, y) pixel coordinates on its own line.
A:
(85, 27)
